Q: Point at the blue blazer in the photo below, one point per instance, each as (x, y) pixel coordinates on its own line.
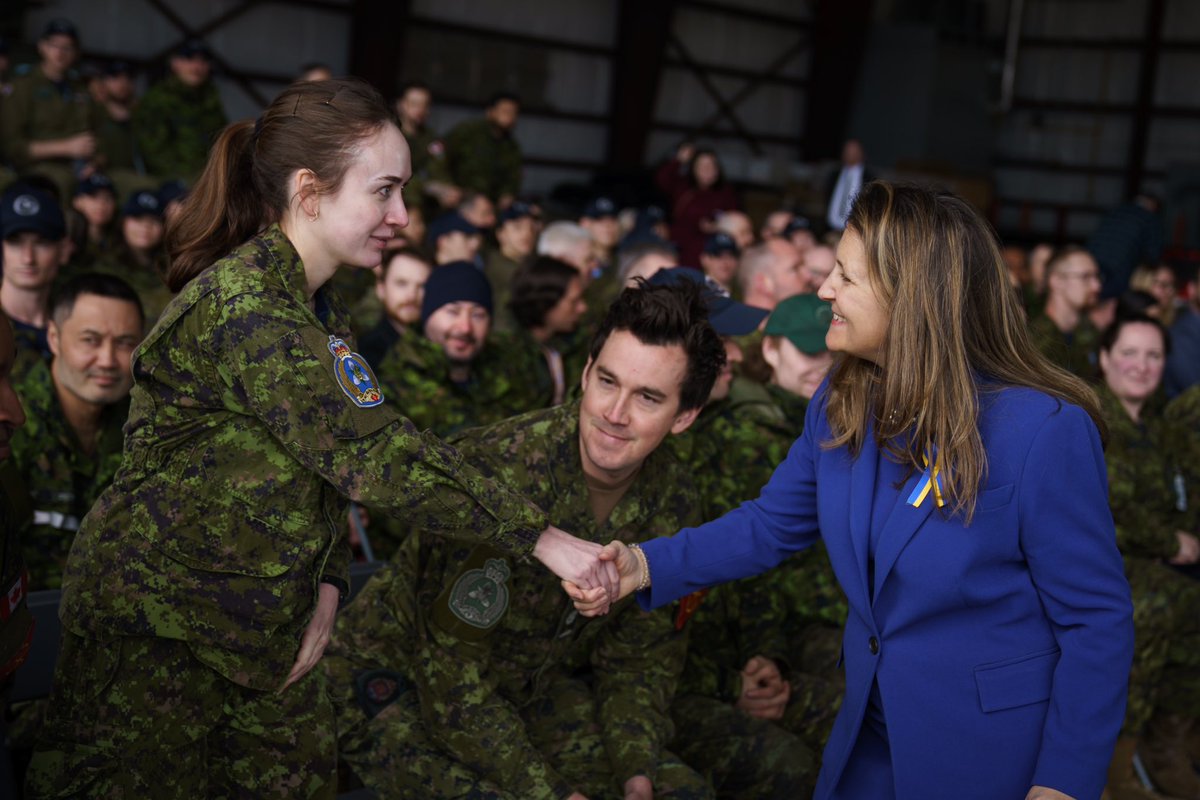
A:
(1001, 649)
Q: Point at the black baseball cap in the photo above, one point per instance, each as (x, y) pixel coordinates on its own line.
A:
(25, 208)
(727, 316)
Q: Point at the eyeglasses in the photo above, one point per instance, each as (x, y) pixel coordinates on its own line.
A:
(1087, 277)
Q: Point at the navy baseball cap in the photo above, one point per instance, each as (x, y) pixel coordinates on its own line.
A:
(171, 191)
(142, 204)
(720, 243)
(727, 316)
(516, 210)
(599, 208)
(60, 26)
(96, 182)
(798, 223)
(24, 208)
(118, 67)
(456, 282)
(449, 223)
(192, 48)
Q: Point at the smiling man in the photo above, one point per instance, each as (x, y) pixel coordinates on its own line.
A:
(461, 672)
(457, 375)
(35, 247)
(71, 447)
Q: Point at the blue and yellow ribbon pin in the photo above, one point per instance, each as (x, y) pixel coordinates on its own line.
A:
(930, 479)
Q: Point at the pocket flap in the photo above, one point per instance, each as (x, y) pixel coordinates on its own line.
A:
(1016, 681)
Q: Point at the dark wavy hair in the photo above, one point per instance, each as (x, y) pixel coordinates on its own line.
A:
(665, 315)
(537, 287)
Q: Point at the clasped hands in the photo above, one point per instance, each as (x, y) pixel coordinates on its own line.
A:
(594, 576)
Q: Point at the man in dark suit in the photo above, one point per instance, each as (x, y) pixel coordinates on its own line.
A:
(845, 184)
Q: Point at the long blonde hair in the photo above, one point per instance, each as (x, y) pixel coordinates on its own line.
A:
(955, 329)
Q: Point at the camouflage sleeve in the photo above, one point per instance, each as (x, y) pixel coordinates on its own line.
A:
(509, 169)
(637, 662)
(1142, 530)
(467, 161)
(762, 618)
(152, 132)
(285, 375)
(475, 724)
(13, 132)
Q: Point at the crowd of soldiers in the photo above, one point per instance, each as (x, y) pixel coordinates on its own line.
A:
(480, 326)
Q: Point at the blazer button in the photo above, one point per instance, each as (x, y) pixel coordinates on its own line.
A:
(873, 646)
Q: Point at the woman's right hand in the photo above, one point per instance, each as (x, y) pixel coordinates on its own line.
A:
(1189, 549)
(594, 602)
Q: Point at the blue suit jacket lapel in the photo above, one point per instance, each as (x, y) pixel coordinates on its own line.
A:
(901, 524)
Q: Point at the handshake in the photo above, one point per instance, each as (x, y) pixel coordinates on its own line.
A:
(594, 576)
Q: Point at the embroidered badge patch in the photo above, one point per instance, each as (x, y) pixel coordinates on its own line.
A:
(479, 596)
(354, 376)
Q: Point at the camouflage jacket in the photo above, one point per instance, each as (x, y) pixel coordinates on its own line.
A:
(16, 623)
(175, 125)
(38, 109)
(1075, 353)
(1146, 486)
(427, 152)
(1183, 413)
(478, 160)
(482, 634)
(249, 422)
(500, 270)
(62, 481)
(505, 380)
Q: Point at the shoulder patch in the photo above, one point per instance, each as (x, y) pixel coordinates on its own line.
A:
(479, 596)
(354, 376)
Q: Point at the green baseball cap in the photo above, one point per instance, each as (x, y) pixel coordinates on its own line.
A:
(804, 319)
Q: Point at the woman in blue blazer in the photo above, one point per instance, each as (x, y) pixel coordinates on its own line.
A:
(958, 481)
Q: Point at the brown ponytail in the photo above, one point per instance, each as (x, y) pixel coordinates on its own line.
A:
(244, 186)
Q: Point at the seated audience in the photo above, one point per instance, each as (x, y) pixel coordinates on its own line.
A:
(35, 248)
(719, 260)
(547, 304)
(400, 289)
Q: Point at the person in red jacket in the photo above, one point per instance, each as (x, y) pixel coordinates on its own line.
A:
(698, 190)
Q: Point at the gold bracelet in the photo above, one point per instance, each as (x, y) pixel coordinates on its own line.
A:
(644, 583)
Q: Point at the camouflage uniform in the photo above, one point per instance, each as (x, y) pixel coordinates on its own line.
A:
(500, 269)
(38, 109)
(175, 126)
(733, 448)
(1183, 413)
(62, 481)
(1149, 503)
(1074, 352)
(249, 422)
(16, 623)
(427, 154)
(505, 380)
(480, 159)
(459, 672)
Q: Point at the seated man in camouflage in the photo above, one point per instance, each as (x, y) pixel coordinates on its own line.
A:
(460, 673)
(70, 448)
(457, 375)
(1063, 331)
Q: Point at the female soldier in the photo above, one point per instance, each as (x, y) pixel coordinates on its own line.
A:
(1155, 528)
(202, 587)
(957, 480)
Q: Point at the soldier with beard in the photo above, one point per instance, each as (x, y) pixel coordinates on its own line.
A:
(456, 376)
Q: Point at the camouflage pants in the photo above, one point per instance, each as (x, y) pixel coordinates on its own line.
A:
(394, 756)
(1166, 658)
(141, 717)
(742, 757)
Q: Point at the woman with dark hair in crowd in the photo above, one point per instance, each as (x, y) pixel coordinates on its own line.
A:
(957, 480)
(696, 185)
(202, 587)
(1148, 498)
(547, 302)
